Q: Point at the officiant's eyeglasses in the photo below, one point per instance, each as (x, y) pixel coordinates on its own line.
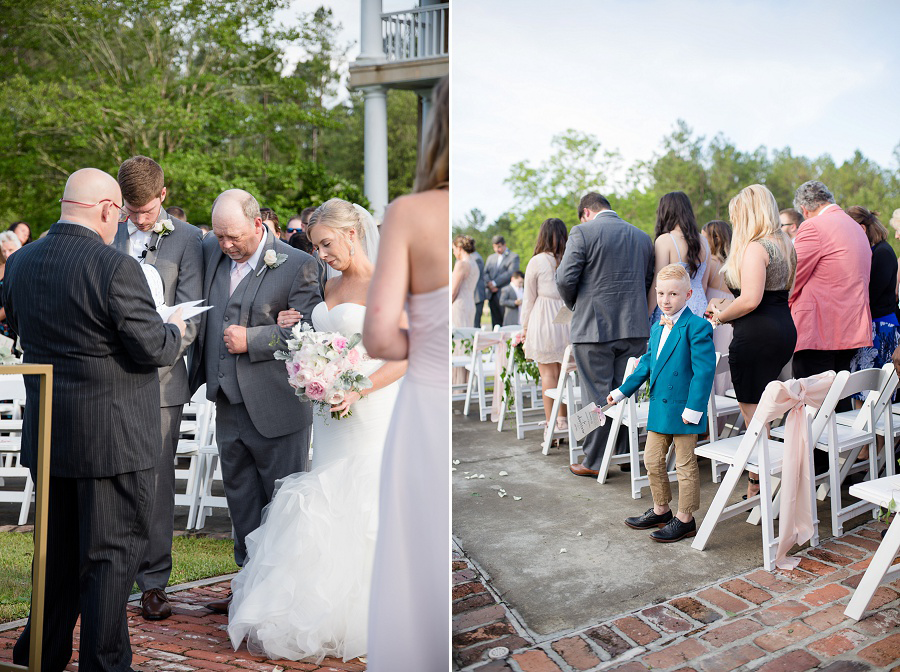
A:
(123, 215)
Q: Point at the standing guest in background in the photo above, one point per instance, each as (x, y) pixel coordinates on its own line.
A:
(718, 237)
(97, 325)
(204, 229)
(498, 270)
(305, 214)
(9, 243)
(177, 212)
(545, 341)
(480, 289)
(408, 618)
(830, 301)
(22, 230)
(759, 271)
(791, 220)
(511, 298)
(294, 225)
(882, 296)
(300, 241)
(270, 219)
(604, 277)
(678, 241)
(177, 257)
(462, 293)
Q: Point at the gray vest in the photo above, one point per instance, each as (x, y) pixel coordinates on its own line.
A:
(221, 365)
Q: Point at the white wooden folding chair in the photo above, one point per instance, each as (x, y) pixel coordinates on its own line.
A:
(525, 399)
(721, 407)
(203, 434)
(880, 492)
(566, 392)
(459, 361)
(755, 451)
(482, 370)
(12, 401)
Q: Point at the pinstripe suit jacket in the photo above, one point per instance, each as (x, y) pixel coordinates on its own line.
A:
(179, 260)
(270, 401)
(85, 308)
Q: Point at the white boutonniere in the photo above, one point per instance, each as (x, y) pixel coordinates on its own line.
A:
(273, 260)
(163, 227)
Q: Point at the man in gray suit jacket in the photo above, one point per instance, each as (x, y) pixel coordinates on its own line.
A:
(262, 429)
(177, 257)
(511, 298)
(480, 289)
(604, 277)
(498, 271)
(85, 308)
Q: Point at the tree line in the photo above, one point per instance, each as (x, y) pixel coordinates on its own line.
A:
(710, 171)
(204, 88)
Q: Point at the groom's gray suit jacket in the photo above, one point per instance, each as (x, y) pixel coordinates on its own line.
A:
(254, 378)
(178, 259)
(604, 278)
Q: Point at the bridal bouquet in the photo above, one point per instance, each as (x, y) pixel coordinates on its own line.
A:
(323, 367)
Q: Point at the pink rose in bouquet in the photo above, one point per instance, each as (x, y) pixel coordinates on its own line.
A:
(339, 342)
(315, 390)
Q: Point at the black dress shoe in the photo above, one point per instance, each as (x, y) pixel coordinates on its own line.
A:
(648, 519)
(675, 531)
(219, 606)
(155, 605)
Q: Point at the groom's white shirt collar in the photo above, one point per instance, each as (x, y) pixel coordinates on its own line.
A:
(254, 260)
(602, 211)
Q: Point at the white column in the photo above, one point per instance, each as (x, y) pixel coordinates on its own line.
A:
(370, 44)
(376, 149)
(426, 96)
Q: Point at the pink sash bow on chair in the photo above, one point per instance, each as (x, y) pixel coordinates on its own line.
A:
(795, 513)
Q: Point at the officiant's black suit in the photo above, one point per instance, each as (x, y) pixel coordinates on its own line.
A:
(85, 308)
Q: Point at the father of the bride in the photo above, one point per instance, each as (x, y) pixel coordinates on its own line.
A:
(604, 277)
(262, 429)
(84, 307)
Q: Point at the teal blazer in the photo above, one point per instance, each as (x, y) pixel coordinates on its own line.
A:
(680, 378)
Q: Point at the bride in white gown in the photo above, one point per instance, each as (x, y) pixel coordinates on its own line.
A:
(304, 590)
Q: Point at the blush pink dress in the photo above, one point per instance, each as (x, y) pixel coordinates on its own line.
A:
(545, 342)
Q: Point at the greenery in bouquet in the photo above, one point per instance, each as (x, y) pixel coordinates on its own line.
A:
(525, 367)
(323, 367)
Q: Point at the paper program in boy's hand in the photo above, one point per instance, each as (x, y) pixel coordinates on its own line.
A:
(564, 316)
(190, 309)
(588, 419)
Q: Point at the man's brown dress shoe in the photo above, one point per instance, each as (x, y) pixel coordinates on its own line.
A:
(219, 606)
(155, 605)
(581, 470)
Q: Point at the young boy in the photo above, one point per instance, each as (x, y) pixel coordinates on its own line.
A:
(511, 298)
(680, 364)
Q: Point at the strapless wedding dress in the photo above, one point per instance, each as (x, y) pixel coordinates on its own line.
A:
(304, 590)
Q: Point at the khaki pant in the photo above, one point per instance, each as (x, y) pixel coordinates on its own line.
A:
(686, 468)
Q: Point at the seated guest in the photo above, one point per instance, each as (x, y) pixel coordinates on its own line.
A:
(270, 219)
(791, 220)
(680, 364)
(9, 243)
(22, 230)
(177, 213)
(301, 241)
(511, 298)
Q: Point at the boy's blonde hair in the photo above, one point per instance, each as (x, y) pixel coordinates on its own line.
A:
(674, 272)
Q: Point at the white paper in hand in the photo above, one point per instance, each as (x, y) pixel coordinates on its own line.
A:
(564, 316)
(190, 309)
(588, 419)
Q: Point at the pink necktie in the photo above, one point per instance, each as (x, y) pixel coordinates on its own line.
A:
(665, 321)
(236, 276)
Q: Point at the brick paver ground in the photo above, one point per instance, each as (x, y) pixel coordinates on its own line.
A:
(766, 621)
(192, 639)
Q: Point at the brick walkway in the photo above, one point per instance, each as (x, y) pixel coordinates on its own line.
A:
(781, 621)
(192, 639)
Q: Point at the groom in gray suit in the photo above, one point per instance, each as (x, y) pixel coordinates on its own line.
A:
(177, 257)
(604, 277)
(262, 429)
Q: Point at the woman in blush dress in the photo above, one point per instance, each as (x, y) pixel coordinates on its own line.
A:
(303, 591)
(760, 272)
(718, 236)
(409, 616)
(462, 293)
(678, 241)
(545, 342)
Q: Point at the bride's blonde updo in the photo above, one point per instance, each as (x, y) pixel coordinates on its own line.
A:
(338, 214)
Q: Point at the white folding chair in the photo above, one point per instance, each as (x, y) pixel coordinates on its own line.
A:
(481, 368)
(459, 361)
(12, 401)
(755, 451)
(566, 392)
(525, 398)
(721, 407)
(203, 412)
(880, 492)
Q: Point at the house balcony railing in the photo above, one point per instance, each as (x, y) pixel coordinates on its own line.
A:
(416, 33)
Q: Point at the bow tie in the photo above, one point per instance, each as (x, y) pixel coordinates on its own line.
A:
(666, 321)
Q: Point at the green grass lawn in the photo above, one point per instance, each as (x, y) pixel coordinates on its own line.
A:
(193, 558)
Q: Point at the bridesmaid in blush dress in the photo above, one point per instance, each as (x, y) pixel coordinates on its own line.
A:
(718, 234)
(409, 612)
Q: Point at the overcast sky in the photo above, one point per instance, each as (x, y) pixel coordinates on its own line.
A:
(820, 77)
